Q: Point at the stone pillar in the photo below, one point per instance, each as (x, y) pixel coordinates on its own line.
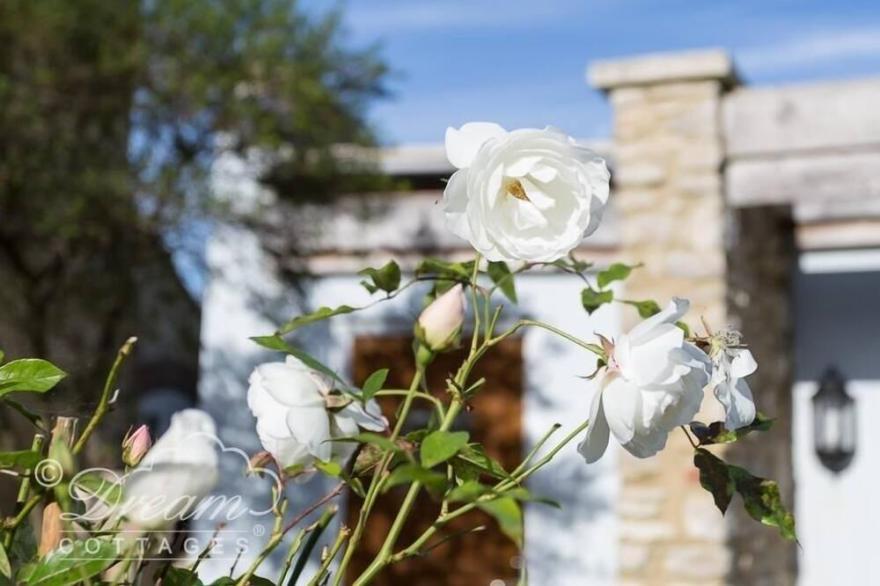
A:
(668, 190)
(760, 261)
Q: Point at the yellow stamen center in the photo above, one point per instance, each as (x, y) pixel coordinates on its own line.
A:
(514, 188)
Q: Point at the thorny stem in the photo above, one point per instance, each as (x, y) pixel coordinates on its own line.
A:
(106, 396)
(314, 507)
(343, 534)
(12, 524)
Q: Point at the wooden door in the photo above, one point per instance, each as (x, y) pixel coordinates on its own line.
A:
(495, 420)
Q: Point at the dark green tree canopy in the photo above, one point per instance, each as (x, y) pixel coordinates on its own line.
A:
(111, 114)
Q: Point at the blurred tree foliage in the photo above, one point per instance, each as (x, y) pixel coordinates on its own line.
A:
(111, 113)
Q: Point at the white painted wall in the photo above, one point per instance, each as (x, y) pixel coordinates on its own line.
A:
(837, 320)
(575, 546)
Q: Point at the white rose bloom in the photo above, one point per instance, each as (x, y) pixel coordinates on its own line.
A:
(295, 423)
(731, 366)
(178, 471)
(654, 383)
(528, 194)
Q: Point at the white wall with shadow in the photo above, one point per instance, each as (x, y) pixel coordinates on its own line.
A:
(837, 321)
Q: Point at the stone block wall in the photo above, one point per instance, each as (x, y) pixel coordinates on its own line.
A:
(669, 153)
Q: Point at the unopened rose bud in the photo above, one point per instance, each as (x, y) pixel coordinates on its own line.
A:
(136, 445)
(439, 325)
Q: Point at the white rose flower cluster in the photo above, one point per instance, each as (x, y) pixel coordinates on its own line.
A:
(529, 194)
(298, 415)
(654, 383)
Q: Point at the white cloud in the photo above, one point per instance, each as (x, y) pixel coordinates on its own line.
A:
(808, 50)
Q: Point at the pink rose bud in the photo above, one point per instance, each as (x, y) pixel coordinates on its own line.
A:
(136, 445)
(440, 323)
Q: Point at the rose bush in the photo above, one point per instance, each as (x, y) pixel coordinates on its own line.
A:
(527, 195)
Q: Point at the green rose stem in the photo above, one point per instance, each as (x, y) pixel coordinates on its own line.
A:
(383, 558)
(318, 578)
(425, 396)
(515, 480)
(274, 539)
(378, 477)
(316, 529)
(24, 490)
(380, 474)
(106, 396)
(594, 348)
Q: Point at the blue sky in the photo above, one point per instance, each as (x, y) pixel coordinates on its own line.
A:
(522, 63)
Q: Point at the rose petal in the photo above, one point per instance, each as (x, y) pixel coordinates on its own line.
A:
(463, 144)
(311, 426)
(596, 441)
(622, 402)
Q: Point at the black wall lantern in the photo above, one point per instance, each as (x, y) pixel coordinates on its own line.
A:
(834, 422)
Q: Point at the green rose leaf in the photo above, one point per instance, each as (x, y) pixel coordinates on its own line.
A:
(72, 564)
(616, 272)
(572, 265)
(180, 577)
(29, 374)
(763, 502)
(761, 497)
(646, 308)
(414, 473)
(5, 566)
(473, 459)
(500, 274)
(593, 300)
(319, 314)
(715, 478)
(716, 433)
(19, 461)
(523, 494)
(386, 278)
(373, 439)
(330, 468)
(468, 491)
(93, 484)
(252, 581)
(439, 446)
(455, 271)
(276, 342)
(2, 356)
(374, 384)
(35, 419)
(509, 515)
